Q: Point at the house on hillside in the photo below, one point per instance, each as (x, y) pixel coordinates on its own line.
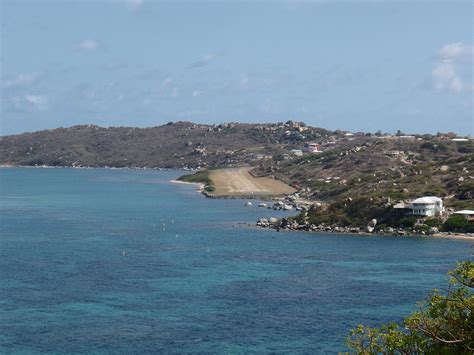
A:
(426, 206)
(467, 214)
(313, 148)
(297, 152)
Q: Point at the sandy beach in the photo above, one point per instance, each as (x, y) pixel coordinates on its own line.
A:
(199, 186)
(238, 182)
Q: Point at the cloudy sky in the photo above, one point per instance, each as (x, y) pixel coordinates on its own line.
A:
(349, 64)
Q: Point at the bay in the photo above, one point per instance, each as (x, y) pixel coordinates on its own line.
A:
(124, 261)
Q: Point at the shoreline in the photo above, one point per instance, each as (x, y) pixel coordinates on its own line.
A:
(455, 236)
(458, 236)
(199, 185)
(200, 188)
(7, 166)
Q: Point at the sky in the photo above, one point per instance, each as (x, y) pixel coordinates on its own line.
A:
(338, 64)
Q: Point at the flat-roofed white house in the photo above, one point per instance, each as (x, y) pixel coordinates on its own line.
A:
(297, 152)
(313, 148)
(426, 206)
(468, 214)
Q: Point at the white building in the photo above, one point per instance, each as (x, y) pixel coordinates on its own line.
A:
(468, 214)
(426, 206)
(297, 152)
(313, 148)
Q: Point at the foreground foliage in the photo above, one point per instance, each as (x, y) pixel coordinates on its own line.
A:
(443, 325)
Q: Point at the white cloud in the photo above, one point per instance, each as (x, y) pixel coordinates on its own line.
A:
(88, 45)
(39, 101)
(457, 50)
(134, 5)
(446, 72)
(445, 77)
(21, 80)
(28, 102)
(204, 60)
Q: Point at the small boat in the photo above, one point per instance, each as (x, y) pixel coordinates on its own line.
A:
(263, 204)
(248, 203)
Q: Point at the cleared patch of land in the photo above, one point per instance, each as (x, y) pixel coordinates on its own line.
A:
(238, 182)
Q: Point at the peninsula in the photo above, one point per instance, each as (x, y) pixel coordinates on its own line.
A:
(350, 179)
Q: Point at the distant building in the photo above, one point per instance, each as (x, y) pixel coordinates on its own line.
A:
(297, 152)
(468, 214)
(460, 140)
(426, 206)
(313, 148)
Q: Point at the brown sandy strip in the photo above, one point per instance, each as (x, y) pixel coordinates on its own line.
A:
(238, 182)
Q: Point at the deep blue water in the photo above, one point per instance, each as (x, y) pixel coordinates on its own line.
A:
(125, 261)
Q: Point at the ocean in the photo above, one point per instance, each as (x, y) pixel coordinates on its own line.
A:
(124, 261)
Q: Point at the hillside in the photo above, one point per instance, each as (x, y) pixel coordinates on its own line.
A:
(366, 178)
(174, 145)
(351, 176)
(396, 168)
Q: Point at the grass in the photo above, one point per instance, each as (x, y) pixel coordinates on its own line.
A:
(201, 177)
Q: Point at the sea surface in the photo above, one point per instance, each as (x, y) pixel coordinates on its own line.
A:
(122, 261)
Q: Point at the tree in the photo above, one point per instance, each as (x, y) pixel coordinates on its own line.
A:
(456, 223)
(444, 324)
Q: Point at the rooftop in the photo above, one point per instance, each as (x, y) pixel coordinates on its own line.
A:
(469, 212)
(426, 200)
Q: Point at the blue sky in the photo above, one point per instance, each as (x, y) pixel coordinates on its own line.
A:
(355, 65)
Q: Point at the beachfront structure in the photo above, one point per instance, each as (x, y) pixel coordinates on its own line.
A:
(313, 148)
(426, 206)
(468, 214)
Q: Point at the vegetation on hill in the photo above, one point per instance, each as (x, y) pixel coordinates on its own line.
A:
(365, 177)
(356, 178)
(174, 145)
(444, 324)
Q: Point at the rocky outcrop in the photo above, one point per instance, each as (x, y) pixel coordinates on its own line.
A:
(371, 226)
(287, 224)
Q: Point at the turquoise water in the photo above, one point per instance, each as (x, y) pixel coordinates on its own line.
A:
(125, 261)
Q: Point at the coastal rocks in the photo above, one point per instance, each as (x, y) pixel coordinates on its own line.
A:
(287, 224)
(278, 205)
(433, 230)
(371, 226)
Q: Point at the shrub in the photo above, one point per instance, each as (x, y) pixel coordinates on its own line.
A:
(456, 223)
(407, 222)
(433, 222)
(443, 325)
